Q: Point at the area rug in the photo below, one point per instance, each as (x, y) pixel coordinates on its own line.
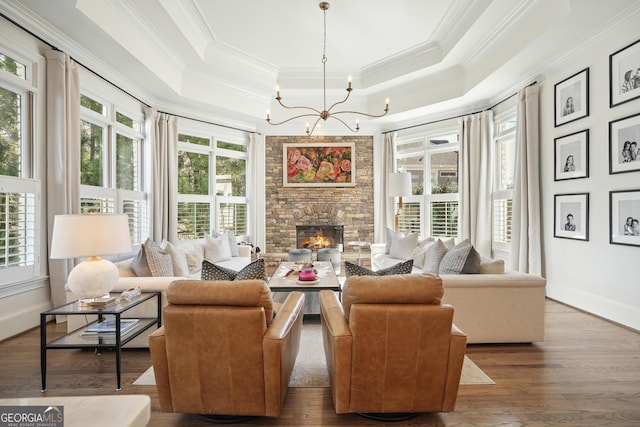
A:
(310, 369)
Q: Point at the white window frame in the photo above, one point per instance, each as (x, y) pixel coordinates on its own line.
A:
(501, 248)
(213, 135)
(22, 278)
(108, 191)
(427, 150)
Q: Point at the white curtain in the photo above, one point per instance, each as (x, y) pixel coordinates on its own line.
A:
(63, 157)
(476, 136)
(162, 134)
(384, 218)
(256, 190)
(526, 254)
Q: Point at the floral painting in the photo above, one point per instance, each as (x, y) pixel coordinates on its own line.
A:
(319, 165)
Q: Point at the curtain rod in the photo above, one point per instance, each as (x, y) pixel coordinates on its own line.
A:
(111, 83)
(461, 115)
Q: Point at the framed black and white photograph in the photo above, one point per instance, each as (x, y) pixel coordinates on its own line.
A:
(571, 216)
(624, 74)
(624, 137)
(624, 215)
(571, 98)
(571, 156)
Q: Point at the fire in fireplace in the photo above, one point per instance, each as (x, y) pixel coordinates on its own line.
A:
(319, 236)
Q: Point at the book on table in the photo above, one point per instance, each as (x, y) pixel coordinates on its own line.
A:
(108, 327)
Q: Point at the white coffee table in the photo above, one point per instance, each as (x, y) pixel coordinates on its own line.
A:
(126, 410)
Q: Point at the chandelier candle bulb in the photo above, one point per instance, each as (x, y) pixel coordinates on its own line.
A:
(277, 92)
(349, 83)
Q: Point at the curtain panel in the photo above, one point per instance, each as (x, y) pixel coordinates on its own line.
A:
(63, 158)
(476, 172)
(526, 253)
(162, 134)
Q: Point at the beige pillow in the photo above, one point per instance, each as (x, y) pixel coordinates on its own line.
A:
(491, 266)
(390, 235)
(178, 260)
(233, 243)
(158, 259)
(217, 249)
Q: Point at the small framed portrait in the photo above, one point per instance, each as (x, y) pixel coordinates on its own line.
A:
(571, 217)
(571, 98)
(624, 137)
(624, 74)
(624, 217)
(571, 156)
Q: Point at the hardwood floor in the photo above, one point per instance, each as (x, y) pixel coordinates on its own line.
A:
(586, 373)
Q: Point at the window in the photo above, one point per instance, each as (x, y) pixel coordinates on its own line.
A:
(502, 195)
(111, 166)
(432, 160)
(20, 202)
(212, 184)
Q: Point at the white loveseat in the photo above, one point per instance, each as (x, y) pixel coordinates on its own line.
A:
(195, 251)
(496, 305)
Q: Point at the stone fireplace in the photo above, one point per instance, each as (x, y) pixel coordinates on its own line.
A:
(288, 207)
(319, 236)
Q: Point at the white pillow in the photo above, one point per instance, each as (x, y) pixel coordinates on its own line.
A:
(217, 249)
(233, 243)
(419, 254)
(402, 247)
(390, 235)
(178, 259)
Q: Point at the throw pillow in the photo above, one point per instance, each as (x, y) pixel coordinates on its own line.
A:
(254, 270)
(461, 259)
(139, 264)
(352, 269)
(233, 243)
(433, 257)
(158, 259)
(491, 266)
(419, 254)
(402, 247)
(217, 249)
(390, 234)
(178, 260)
(194, 253)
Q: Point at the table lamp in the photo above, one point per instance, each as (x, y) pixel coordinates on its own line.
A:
(399, 185)
(91, 236)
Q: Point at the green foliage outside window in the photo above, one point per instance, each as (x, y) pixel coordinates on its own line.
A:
(126, 155)
(91, 149)
(9, 133)
(231, 171)
(193, 173)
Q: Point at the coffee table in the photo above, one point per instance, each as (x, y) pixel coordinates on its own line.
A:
(327, 279)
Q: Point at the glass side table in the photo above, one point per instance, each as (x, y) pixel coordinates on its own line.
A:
(360, 245)
(77, 339)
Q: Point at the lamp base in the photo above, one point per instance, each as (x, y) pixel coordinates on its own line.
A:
(93, 278)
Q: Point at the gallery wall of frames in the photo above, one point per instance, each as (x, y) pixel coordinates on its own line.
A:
(571, 150)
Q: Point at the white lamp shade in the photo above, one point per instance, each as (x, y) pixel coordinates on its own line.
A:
(399, 184)
(78, 236)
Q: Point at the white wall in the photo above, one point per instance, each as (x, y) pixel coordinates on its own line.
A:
(593, 275)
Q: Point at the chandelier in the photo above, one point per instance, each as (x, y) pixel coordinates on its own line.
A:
(326, 113)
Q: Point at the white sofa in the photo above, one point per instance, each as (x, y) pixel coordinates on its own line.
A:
(491, 306)
(128, 279)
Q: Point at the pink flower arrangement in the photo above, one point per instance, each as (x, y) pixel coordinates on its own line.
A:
(318, 164)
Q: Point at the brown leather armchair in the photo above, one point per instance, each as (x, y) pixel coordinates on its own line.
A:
(222, 352)
(392, 349)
